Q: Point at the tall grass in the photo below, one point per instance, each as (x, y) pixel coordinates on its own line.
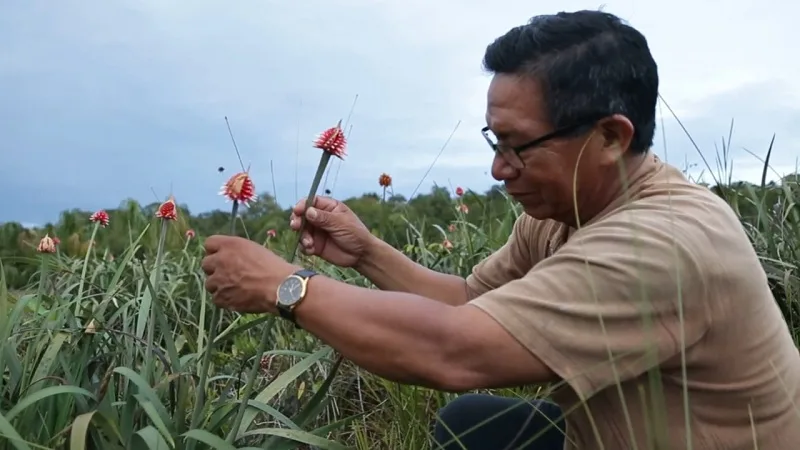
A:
(66, 384)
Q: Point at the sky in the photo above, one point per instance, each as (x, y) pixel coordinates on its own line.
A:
(101, 100)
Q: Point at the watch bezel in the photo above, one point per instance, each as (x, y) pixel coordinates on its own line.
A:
(289, 303)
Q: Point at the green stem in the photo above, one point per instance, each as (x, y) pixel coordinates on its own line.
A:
(265, 335)
(151, 326)
(200, 395)
(83, 272)
(185, 247)
(323, 163)
(42, 280)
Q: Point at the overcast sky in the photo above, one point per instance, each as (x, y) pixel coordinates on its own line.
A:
(104, 100)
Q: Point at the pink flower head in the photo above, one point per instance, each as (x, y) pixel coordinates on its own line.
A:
(100, 217)
(272, 233)
(447, 244)
(239, 188)
(332, 141)
(168, 210)
(46, 245)
(459, 191)
(190, 234)
(56, 240)
(463, 208)
(452, 228)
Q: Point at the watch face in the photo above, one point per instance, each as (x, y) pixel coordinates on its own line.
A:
(290, 291)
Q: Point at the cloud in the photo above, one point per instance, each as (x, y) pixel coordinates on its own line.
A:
(102, 101)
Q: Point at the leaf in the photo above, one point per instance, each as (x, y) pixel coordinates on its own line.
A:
(151, 412)
(43, 394)
(299, 436)
(148, 394)
(280, 382)
(48, 359)
(10, 435)
(287, 444)
(209, 439)
(80, 428)
(313, 408)
(151, 438)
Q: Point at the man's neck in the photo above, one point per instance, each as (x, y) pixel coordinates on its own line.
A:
(615, 187)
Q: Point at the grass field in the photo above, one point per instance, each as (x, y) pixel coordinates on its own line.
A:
(103, 345)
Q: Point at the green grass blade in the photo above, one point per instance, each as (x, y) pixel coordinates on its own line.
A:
(149, 437)
(43, 394)
(280, 383)
(80, 430)
(9, 434)
(209, 439)
(303, 437)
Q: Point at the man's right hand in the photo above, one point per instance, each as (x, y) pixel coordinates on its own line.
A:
(332, 231)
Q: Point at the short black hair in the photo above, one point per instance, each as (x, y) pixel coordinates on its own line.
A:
(589, 63)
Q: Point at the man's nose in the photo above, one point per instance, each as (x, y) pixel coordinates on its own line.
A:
(501, 169)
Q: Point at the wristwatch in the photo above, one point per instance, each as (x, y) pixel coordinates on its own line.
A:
(291, 292)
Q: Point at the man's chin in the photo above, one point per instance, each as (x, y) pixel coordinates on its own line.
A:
(538, 212)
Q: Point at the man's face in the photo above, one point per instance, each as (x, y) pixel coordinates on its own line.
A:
(544, 186)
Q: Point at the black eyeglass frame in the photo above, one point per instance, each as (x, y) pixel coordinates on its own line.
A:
(560, 132)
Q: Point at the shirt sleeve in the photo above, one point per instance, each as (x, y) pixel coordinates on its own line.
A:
(509, 262)
(605, 307)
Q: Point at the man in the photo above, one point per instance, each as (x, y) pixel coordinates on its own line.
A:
(635, 290)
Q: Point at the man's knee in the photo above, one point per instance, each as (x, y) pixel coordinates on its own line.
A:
(461, 413)
(458, 416)
(478, 419)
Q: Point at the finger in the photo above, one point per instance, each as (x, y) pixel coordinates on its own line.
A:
(320, 218)
(214, 243)
(299, 207)
(320, 202)
(295, 222)
(209, 264)
(211, 285)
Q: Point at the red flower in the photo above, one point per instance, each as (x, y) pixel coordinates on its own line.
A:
(447, 244)
(168, 210)
(56, 240)
(272, 233)
(239, 188)
(459, 191)
(332, 141)
(46, 245)
(189, 234)
(100, 217)
(384, 180)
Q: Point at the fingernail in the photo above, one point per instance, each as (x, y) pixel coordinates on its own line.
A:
(311, 213)
(307, 242)
(292, 223)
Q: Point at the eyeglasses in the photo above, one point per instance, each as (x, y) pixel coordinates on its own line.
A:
(512, 154)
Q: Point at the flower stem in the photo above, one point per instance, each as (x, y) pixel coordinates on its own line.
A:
(151, 326)
(200, 395)
(323, 163)
(265, 335)
(79, 298)
(43, 275)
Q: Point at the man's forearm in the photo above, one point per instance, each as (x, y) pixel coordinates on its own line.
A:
(390, 270)
(398, 336)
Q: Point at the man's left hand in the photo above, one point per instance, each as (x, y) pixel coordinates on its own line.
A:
(242, 275)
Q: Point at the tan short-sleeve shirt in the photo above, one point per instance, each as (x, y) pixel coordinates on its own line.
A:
(610, 306)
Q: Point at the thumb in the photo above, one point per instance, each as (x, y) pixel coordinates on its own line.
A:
(318, 217)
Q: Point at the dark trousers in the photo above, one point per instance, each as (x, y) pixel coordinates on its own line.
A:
(486, 422)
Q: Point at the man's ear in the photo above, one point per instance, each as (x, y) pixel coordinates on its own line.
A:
(617, 135)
